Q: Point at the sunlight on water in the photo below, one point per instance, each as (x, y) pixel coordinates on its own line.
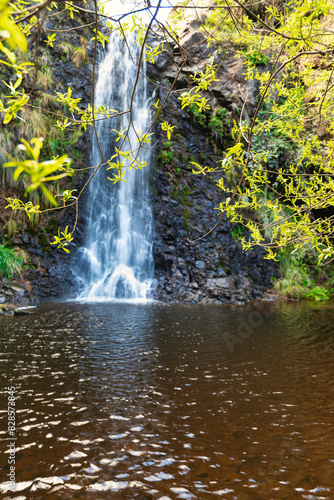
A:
(126, 401)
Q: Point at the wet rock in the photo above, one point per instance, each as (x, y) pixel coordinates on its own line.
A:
(17, 241)
(36, 251)
(18, 288)
(26, 238)
(7, 309)
(220, 287)
(200, 264)
(224, 283)
(2, 299)
(23, 312)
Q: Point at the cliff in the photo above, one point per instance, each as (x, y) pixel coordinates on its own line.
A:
(196, 255)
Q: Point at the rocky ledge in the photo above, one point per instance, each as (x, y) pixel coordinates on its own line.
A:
(15, 296)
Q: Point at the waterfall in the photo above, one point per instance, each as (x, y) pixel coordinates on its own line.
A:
(116, 261)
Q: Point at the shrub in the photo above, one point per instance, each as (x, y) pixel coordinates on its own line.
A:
(320, 293)
(297, 282)
(68, 49)
(10, 262)
(45, 78)
(256, 57)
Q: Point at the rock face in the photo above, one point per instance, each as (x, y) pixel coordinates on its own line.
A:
(197, 257)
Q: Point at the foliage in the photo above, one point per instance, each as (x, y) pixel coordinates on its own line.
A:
(10, 262)
(63, 239)
(219, 124)
(168, 129)
(320, 293)
(9, 31)
(281, 151)
(200, 82)
(299, 278)
(28, 207)
(256, 57)
(39, 172)
(238, 231)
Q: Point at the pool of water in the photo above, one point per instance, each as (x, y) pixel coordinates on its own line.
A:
(155, 401)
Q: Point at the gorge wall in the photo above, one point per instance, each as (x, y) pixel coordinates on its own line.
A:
(193, 263)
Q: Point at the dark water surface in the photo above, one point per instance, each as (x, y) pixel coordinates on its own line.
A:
(127, 401)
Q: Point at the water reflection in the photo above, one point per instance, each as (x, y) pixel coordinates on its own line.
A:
(152, 401)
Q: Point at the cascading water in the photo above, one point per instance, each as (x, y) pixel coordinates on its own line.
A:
(116, 262)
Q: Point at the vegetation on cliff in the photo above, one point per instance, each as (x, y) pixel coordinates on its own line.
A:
(278, 173)
(283, 156)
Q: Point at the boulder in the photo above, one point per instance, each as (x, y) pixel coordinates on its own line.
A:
(18, 288)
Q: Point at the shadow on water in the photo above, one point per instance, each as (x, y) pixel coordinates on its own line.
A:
(120, 400)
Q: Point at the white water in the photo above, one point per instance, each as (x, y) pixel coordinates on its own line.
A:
(116, 261)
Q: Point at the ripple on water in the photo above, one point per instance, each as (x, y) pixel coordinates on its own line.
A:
(124, 400)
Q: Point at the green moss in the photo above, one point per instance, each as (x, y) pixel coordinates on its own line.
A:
(153, 190)
(186, 191)
(181, 196)
(175, 195)
(186, 217)
(166, 154)
(220, 125)
(198, 117)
